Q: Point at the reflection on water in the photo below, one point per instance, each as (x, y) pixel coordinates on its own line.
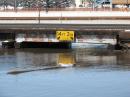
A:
(31, 58)
(66, 59)
(90, 73)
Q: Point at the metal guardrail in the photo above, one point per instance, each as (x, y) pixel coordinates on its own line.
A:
(67, 18)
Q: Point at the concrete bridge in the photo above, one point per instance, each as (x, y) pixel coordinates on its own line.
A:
(17, 34)
(109, 29)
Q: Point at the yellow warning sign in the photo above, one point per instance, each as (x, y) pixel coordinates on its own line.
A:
(65, 35)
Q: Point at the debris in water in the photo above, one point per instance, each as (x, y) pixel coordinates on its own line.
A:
(18, 71)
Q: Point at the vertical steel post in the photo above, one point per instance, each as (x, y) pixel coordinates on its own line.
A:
(39, 15)
(47, 5)
(15, 5)
(39, 12)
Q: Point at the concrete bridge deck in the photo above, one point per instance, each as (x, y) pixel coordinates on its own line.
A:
(120, 27)
(65, 20)
(69, 20)
(105, 21)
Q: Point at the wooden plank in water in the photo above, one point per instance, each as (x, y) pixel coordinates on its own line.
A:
(20, 70)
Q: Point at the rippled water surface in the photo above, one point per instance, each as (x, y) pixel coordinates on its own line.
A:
(89, 73)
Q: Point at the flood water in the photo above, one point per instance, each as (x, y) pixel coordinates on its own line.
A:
(89, 73)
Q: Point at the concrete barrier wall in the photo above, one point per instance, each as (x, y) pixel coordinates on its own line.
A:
(64, 14)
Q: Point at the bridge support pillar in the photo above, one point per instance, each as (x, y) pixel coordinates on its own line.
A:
(118, 44)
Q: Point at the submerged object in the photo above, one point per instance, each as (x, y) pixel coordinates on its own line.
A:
(21, 70)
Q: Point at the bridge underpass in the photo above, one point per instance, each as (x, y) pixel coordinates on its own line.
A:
(45, 34)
